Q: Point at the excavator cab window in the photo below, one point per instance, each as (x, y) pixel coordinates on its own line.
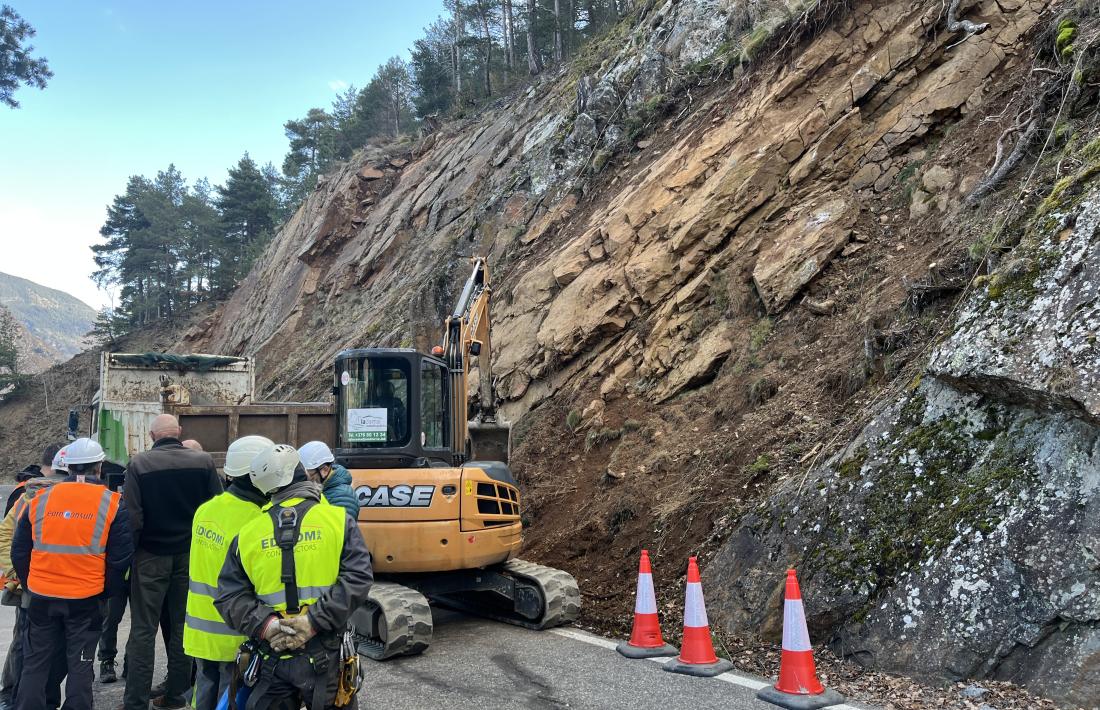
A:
(375, 411)
(433, 405)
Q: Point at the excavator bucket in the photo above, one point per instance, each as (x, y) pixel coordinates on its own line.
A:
(490, 441)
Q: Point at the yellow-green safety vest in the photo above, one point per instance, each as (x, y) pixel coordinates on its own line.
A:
(316, 554)
(216, 523)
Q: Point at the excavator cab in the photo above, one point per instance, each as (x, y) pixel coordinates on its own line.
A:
(392, 408)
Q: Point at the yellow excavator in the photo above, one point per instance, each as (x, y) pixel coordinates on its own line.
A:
(439, 508)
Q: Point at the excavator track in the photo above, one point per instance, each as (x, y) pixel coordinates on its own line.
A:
(560, 595)
(395, 621)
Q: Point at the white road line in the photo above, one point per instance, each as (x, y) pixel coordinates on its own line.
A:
(728, 677)
(584, 637)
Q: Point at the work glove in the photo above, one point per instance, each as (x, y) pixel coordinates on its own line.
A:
(301, 630)
(279, 635)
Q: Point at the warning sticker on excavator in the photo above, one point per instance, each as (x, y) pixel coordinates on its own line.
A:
(469, 488)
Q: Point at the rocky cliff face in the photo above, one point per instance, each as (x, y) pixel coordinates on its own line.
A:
(722, 242)
(964, 518)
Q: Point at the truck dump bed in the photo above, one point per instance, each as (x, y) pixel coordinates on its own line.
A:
(294, 423)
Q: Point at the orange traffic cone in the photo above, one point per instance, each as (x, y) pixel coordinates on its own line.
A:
(697, 652)
(798, 687)
(645, 638)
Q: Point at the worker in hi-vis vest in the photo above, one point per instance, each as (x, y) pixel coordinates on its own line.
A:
(291, 580)
(71, 549)
(206, 636)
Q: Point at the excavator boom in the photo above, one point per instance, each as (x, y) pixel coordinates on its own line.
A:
(467, 337)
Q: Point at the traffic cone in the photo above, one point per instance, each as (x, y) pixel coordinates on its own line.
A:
(798, 687)
(645, 638)
(697, 652)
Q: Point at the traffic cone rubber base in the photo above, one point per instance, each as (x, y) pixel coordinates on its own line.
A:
(702, 670)
(639, 652)
(799, 702)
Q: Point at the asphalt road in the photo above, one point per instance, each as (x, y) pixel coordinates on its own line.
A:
(483, 665)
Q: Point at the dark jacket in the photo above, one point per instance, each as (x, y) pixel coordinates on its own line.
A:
(120, 548)
(242, 610)
(338, 490)
(164, 487)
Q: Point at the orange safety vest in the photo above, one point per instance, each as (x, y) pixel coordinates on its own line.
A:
(69, 526)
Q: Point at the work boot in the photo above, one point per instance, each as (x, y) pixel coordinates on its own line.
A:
(159, 689)
(107, 672)
(163, 702)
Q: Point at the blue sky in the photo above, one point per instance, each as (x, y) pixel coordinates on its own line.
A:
(138, 85)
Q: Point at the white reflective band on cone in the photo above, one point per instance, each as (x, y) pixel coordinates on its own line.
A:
(646, 601)
(695, 612)
(795, 635)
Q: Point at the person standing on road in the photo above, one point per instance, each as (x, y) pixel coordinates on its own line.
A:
(72, 547)
(164, 487)
(15, 595)
(206, 637)
(299, 627)
(321, 467)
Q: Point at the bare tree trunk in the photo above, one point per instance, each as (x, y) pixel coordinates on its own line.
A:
(509, 36)
(557, 32)
(456, 50)
(483, 11)
(571, 29)
(533, 61)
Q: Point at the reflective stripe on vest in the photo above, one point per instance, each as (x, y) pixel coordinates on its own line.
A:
(316, 555)
(216, 523)
(69, 526)
(20, 507)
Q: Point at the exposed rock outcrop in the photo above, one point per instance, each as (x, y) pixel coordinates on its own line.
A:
(966, 517)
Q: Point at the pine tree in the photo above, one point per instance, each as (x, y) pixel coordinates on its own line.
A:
(311, 150)
(430, 67)
(17, 66)
(393, 78)
(10, 335)
(248, 212)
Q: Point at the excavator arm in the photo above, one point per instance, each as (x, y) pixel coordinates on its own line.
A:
(483, 436)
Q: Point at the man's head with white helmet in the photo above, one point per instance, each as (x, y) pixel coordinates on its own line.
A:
(274, 468)
(83, 457)
(317, 460)
(239, 455)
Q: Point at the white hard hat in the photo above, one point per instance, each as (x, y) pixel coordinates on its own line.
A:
(241, 452)
(59, 461)
(274, 467)
(315, 454)
(83, 451)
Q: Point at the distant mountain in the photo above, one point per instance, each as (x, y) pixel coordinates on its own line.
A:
(56, 323)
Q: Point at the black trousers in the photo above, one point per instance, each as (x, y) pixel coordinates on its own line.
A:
(13, 667)
(158, 585)
(108, 640)
(287, 683)
(52, 625)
